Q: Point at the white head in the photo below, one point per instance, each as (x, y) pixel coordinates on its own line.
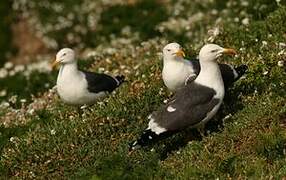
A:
(210, 52)
(65, 56)
(173, 51)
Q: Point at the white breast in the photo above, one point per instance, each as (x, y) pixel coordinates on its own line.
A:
(215, 82)
(175, 73)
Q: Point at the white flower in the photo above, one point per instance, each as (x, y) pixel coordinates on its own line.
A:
(280, 63)
(83, 107)
(3, 73)
(13, 99)
(12, 139)
(282, 45)
(244, 3)
(264, 43)
(23, 100)
(245, 21)
(3, 93)
(53, 132)
(227, 116)
(213, 33)
(12, 73)
(281, 53)
(5, 104)
(8, 65)
(265, 73)
(31, 111)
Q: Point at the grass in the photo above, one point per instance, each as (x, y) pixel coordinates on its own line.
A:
(61, 142)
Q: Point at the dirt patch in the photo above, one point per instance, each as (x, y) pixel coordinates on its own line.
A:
(26, 42)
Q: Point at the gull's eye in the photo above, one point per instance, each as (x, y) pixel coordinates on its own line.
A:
(168, 50)
(213, 51)
(64, 54)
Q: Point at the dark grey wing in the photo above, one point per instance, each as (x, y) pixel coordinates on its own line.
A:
(100, 82)
(190, 105)
(196, 65)
(228, 72)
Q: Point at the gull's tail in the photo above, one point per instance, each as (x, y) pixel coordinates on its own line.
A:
(148, 137)
(240, 70)
(120, 79)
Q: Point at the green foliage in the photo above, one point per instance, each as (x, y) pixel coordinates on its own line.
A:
(141, 17)
(5, 31)
(271, 145)
(26, 86)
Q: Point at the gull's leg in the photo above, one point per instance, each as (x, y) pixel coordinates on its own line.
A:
(201, 130)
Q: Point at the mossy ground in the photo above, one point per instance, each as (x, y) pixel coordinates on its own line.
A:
(65, 142)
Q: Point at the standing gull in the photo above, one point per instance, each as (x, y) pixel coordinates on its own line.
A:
(194, 104)
(77, 87)
(177, 71)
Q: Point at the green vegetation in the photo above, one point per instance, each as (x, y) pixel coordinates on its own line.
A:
(59, 141)
(5, 31)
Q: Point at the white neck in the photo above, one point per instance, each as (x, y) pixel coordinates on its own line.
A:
(70, 68)
(210, 75)
(172, 60)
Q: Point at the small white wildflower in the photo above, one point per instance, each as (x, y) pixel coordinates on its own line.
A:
(3, 93)
(281, 53)
(8, 65)
(227, 116)
(265, 73)
(5, 104)
(32, 174)
(100, 103)
(282, 45)
(101, 69)
(214, 12)
(280, 63)
(264, 43)
(213, 33)
(236, 19)
(3, 73)
(13, 99)
(31, 111)
(83, 107)
(244, 3)
(53, 132)
(161, 91)
(91, 54)
(12, 73)
(245, 21)
(165, 101)
(23, 100)
(19, 68)
(12, 139)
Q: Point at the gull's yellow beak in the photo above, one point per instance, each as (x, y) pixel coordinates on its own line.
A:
(180, 53)
(229, 51)
(54, 64)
